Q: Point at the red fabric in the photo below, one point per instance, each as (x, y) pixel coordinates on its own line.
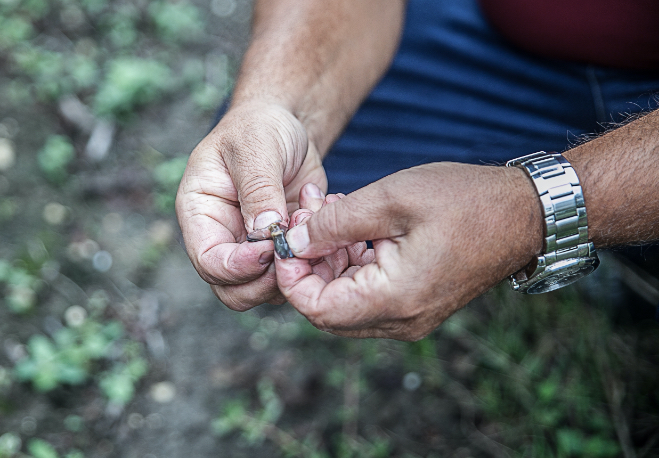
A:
(616, 33)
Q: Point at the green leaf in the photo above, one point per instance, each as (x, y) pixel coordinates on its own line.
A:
(232, 417)
(137, 368)
(21, 299)
(169, 173)
(74, 423)
(41, 449)
(601, 447)
(118, 387)
(55, 156)
(570, 441)
(14, 30)
(41, 348)
(547, 390)
(10, 444)
(5, 269)
(113, 330)
(130, 83)
(83, 70)
(178, 21)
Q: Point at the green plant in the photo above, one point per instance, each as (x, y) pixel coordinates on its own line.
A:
(72, 358)
(10, 444)
(561, 363)
(41, 449)
(260, 424)
(55, 156)
(131, 83)
(14, 30)
(178, 22)
(167, 176)
(118, 384)
(21, 287)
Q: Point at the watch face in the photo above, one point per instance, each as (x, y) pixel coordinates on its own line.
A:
(561, 274)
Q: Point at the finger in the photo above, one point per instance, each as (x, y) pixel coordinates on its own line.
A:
(346, 303)
(212, 246)
(236, 263)
(299, 216)
(331, 198)
(350, 271)
(260, 158)
(311, 171)
(324, 271)
(245, 296)
(369, 213)
(338, 262)
(359, 254)
(311, 197)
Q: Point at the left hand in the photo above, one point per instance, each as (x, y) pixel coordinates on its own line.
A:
(443, 234)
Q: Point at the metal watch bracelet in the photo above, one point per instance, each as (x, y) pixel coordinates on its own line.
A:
(567, 254)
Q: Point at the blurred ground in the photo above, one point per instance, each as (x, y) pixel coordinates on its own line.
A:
(113, 347)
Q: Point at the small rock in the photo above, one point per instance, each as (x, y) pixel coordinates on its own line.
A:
(163, 392)
(7, 155)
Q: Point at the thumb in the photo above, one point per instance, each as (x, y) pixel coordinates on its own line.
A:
(370, 213)
(266, 152)
(261, 196)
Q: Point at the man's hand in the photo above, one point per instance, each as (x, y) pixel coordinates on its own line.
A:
(244, 175)
(308, 67)
(341, 262)
(443, 234)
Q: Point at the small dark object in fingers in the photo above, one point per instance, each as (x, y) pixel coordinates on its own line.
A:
(265, 233)
(277, 232)
(279, 238)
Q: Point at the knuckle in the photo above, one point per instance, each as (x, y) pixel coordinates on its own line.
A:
(326, 228)
(208, 262)
(225, 270)
(258, 187)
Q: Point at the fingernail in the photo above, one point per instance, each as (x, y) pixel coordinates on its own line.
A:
(298, 238)
(300, 217)
(265, 219)
(267, 257)
(314, 191)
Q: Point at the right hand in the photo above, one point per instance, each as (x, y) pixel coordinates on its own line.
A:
(443, 234)
(245, 174)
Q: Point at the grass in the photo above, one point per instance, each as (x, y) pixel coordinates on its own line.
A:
(547, 376)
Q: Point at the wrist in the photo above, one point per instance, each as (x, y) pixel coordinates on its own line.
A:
(525, 217)
(567, 254)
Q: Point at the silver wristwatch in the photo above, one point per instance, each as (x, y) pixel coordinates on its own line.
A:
(567, 254)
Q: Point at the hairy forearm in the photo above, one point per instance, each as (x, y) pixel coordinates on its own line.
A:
(318, 58)
(619, 173)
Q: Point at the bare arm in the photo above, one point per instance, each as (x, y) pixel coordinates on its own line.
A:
(619, 173)
(319, 59)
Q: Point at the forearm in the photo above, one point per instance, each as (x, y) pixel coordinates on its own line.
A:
(318, 58)
(619, 173)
